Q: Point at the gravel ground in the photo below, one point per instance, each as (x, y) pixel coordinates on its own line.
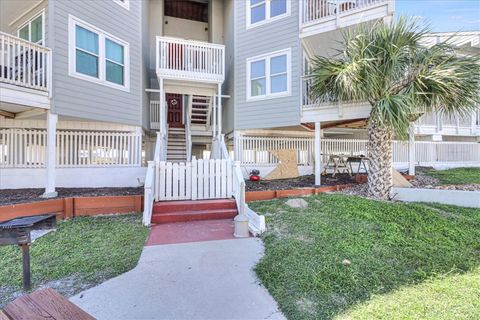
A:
(14, 196)
(423, 181)
(295, 183)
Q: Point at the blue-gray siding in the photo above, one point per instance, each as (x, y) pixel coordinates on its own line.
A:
(270, 37)
(78, 98)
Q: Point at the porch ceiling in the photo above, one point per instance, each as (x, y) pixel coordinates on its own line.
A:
(10, 10)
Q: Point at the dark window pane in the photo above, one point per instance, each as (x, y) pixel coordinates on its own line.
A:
(114, 73)
(86, 64)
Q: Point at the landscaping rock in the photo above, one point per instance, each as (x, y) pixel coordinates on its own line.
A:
(297, 203)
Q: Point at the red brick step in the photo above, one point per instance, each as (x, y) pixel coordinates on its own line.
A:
(181, 211)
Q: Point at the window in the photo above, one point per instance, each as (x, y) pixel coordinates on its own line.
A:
(123, 3)
(33, 30)
(262, 11)
(268, 76)
(97, 56)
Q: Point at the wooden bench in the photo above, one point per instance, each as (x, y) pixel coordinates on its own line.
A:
(43, 304)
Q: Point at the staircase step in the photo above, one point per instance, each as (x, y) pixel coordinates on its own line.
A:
(187, 205)
(194, 215)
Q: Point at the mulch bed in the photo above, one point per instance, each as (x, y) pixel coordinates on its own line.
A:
(300, 182)
(14, 196)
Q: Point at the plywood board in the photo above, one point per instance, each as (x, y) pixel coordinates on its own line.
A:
(287, 168)
(398, 180)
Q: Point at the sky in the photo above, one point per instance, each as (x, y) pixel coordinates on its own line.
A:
(443, 15)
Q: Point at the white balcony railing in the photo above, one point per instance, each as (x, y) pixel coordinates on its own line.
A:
(316, 10)
(435, 123)
(24, 63)
(190, 60)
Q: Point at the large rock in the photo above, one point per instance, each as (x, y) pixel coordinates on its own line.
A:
(297, 203)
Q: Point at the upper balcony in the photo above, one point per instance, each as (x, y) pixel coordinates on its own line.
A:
(189, 60)
(433, 123)
(25, 74)
(319, 16)
(313, 110)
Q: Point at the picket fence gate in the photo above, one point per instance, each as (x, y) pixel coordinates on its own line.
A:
(196, 179)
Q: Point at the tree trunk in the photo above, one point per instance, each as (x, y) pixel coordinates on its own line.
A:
(381, 155)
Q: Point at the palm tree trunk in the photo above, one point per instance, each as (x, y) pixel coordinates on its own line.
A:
(381, 154)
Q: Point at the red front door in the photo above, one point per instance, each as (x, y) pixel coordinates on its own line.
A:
(175, 110)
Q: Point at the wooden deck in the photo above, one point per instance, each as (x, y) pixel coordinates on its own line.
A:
(43, 304)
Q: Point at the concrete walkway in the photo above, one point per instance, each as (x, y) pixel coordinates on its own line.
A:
(199, 280)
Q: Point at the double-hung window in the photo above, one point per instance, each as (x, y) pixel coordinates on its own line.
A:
(33, 29)
(263, 11)
(97, 56)
(269, 76)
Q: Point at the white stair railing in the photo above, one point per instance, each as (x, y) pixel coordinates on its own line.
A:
(256, 222)
(160, 154)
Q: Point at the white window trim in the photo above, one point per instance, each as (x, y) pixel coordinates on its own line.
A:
(267, 57)
(29, 23)
(125, 3)
(267, 19)
(102, 35)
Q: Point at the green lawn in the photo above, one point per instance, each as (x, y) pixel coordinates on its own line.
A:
(456, 176)
(82, 252)
(396, 253)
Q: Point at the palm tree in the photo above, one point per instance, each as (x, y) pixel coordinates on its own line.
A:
(387, 66)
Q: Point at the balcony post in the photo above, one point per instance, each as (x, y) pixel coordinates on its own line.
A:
(51, 155)
(318, 154)
(411, 150)
(219, 109)
(161, 113)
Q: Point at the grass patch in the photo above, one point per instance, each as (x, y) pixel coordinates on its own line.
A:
(81, 253)
(448, 297)
(388, 246)
(456, 175)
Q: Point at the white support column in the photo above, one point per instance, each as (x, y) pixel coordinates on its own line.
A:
(318, 154)
(51, 155)
(214, 116)
(219, 109)
(162, 106)
(411, 150)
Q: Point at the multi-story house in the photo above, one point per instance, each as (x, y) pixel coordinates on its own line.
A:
(92, 90)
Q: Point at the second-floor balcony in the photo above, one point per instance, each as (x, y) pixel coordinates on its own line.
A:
(189, 60)
(431, 123)
(319, 16)
(25, 72)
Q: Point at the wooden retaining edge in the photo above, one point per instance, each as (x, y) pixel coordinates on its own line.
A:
(67, 208)
(273, 194)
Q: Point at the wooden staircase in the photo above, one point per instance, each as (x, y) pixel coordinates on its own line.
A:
(200, 110)
(176, 148)
(182, 211)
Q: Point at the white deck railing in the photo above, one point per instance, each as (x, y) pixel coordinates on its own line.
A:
(26, 148)
(438, 123)
(255, 150)
(316, 10)
(190, 60)
(24, 63)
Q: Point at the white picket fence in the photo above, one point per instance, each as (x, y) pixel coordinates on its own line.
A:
(255, 150)
(26, 148)
(197, 179)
